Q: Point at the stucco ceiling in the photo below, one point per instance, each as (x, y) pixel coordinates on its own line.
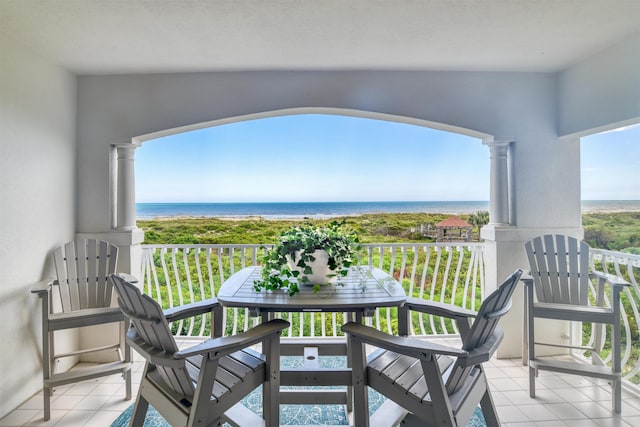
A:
(133, 36)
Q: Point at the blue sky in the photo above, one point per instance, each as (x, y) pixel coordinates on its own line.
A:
(610, 165)
(338, 158)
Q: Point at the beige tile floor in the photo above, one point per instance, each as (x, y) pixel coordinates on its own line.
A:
(562, 400)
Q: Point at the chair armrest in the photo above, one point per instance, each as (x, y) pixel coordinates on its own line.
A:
(409, 346)
(190, 310)
(42, 287)
(527, 278)
(485, 352)
(612, 279)
(438, 309)
(128, 277)
(219, 347)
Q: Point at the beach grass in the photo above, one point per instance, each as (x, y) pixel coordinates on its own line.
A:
(615, 231)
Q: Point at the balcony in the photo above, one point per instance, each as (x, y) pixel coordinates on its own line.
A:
(448, 273)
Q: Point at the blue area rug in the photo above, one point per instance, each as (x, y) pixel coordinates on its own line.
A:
(292, 414)
(289, 415)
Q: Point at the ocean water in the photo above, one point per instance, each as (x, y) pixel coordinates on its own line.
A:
(610, 205)
(302, 209)
(331, 209)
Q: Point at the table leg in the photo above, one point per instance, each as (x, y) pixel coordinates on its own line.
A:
(358, 319)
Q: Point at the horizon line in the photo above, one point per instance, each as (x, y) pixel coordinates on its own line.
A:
(361, 201)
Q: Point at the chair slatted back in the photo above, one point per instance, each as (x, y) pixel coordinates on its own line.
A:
(82, 269)
(152, 328)
(560, 269)
(484, 328)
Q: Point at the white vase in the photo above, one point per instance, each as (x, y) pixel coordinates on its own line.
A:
(320, 268)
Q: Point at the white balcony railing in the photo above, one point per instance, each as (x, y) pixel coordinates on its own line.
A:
(448, 273)
(626, 266)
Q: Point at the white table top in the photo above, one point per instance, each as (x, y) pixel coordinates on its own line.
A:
(362, 290)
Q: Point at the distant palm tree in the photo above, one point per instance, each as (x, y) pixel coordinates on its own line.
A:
(479, 220)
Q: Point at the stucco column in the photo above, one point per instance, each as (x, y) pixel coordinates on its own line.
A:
(501, 249)
(499, 181)
(125, 187)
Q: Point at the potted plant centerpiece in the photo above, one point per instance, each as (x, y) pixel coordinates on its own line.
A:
(308, 255)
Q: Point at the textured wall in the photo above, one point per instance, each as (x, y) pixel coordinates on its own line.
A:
(37, 203)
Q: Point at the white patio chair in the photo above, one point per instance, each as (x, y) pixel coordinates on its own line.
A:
(203, 384)
(430, 384)
(79, 297)
(561, 281)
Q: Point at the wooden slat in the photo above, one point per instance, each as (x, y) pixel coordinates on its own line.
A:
(380, 360)
(574, 312)
(562, 261)
(87, 317)
(235, 364)
(226, 378)
(445, 365)
(96, 371)
(410, 377)
(178, 379)
(576, 368)
(67, 276)
(543, 269)
(583, 265)
(320, 396)
(112, 265)
(83, 282)
(397, 368)
(457, 377)
(550, 262)
(101, 277)
(92, 273)
(235, 367)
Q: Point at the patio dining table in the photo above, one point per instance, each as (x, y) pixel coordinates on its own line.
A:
(358, 295)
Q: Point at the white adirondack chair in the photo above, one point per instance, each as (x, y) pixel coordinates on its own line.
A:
(561, 281)
(201, 385)
(429, 384)
(81, 296)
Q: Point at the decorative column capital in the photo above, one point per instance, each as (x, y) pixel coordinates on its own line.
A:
(126, 143)
(126, 152)
(126, 147)
(500, 145)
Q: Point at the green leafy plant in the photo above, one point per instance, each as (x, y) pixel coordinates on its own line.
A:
(297, 246)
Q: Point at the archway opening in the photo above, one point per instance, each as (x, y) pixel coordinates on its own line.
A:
(312, 158)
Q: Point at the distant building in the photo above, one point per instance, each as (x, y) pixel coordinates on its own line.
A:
(453, 229)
